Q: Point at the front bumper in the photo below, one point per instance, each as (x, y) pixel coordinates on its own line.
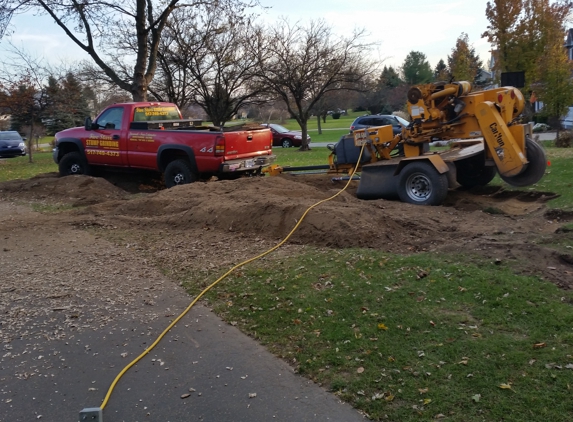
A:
(245, 165)
(6, 152)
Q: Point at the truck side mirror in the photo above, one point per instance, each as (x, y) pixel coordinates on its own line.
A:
(88, 123)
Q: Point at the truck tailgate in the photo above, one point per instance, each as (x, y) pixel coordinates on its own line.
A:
(247, 143)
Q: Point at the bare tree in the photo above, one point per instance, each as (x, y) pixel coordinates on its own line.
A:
(23, 93)
(122, 38)
(205, 58)
(302, 64)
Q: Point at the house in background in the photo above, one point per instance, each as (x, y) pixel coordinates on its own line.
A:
(569, 44)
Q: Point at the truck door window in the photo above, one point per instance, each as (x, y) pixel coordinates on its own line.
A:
(111, 118)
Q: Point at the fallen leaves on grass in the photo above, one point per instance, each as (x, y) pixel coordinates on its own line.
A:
(382, 327)
(539, 345)
(505, 386)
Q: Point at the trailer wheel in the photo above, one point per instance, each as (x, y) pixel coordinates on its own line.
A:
(421, 184)
(178, 172)
(472, 172)
(73, 163)
(535, 168)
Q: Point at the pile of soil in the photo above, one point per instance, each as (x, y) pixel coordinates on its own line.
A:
(492, 222)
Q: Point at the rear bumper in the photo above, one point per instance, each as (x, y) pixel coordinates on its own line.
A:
(245, 165)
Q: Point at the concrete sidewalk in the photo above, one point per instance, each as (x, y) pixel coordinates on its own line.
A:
(63, 347)
(220, 368)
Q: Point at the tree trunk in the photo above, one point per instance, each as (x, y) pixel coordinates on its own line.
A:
(304, 144)
(139, 88)
(31, 140)
(318, 124)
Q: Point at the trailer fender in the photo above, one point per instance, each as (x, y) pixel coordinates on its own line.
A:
(434, 159)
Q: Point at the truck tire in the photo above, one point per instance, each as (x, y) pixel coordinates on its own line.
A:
(535, 168)
(286, 143)
(178, 172)
(421, 184)
(473, 172)
(73, 163)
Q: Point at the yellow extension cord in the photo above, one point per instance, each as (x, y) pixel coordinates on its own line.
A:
(282, 242)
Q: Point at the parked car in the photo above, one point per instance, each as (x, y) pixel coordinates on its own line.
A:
(11, 144)
(379, 120)
(282, 137)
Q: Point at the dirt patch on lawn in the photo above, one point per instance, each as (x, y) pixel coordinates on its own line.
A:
(234, 219)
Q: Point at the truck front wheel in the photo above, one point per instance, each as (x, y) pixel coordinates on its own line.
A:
(421, 184)
(73, 163)
(178, 172)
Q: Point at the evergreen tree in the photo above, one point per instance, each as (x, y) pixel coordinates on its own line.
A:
(441, 72)
(416, 69)
(67, 104)
(389, 78)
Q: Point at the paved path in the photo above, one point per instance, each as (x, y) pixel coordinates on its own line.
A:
(100, 307)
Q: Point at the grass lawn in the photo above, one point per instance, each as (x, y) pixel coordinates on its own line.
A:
(343, 123)
(411, 338)
(21, 168)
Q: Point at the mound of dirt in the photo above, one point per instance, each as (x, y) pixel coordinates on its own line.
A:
(231, 219)
(75, 191)
(270, 208)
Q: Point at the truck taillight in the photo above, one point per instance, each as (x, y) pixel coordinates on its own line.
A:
(220, 146)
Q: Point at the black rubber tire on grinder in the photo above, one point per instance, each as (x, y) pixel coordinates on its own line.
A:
(421, 184)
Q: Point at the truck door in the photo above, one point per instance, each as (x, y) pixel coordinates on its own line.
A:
(104, 145)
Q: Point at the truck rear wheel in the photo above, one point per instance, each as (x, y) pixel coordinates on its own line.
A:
(473, 172)
(73, 163)
(535, 168)
(178, 172)
(421, 184)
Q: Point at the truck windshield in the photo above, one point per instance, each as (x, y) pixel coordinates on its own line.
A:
(156, 112)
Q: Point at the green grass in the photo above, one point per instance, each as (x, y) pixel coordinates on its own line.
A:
(411, 337)
(21, 168)
(343, 123)
(294, 157)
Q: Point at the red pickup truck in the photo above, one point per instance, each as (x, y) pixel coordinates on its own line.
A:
(154, 136)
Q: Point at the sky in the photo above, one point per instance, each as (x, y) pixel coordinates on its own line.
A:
(394, 27)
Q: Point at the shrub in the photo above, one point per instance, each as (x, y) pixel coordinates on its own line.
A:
(565, 139)
(336, 115)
